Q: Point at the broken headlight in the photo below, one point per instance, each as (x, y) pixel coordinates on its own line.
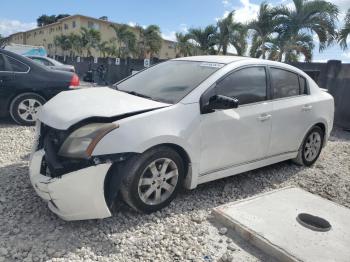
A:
(81, 142)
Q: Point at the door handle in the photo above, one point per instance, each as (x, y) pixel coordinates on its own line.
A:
(306, 108)
(264, 117)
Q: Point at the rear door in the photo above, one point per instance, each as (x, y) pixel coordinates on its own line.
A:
(6, 79)
(292, 110)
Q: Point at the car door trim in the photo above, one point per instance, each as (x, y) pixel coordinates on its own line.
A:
(26, 72)
(268, 86)
(290, 71)
(245, 163)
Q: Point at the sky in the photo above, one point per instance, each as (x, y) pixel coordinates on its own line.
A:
(171, 16)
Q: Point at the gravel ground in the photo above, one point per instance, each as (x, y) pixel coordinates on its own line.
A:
(183, 231)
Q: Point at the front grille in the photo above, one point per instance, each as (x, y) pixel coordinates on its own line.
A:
(53, 165)
(56, 136)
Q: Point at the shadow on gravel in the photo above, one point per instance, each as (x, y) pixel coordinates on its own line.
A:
(339, 134)
(6, 122)
(27, 225)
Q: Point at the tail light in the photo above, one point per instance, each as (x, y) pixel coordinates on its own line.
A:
(74, 82)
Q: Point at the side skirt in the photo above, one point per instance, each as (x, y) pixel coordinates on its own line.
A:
(240, 168)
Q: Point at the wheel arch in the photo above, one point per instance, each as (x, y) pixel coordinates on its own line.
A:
(24, 92)
(324, 127)
(117, 171)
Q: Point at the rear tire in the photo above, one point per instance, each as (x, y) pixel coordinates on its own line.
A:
(24, 107)
(311, 147)
(153, 179)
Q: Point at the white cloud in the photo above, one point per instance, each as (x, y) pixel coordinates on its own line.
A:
(8, 27)
(346, 54)
(342, 4)
(319, 60)
(184, 28)
(169, 36)
(226, 2)
(132, 24)
(244, 12)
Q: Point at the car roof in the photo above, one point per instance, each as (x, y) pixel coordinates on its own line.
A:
(213, 58)
(230, 59)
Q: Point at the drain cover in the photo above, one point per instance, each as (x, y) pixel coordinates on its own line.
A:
(314, 223)
(288, 223)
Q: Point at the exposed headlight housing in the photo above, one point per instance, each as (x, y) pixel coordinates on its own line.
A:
(81, 142)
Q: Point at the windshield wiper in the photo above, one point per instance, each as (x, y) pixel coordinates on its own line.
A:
(137, 94)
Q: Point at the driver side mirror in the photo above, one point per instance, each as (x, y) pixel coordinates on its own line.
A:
(222, 102)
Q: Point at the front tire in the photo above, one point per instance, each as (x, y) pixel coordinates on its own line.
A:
(153, 179)
(24, 108)
(311, 148)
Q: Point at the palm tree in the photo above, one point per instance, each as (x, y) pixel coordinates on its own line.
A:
(103, 48)
(126, 40)
(205, 38)
(231, 32)
(344, 32)
(149, 41)
(314, 16)
(152, 39)
(183, 46)
(76, 44)
(238, 37)
(90, 38)
(290, 49)
(63, 42)
(263, 28)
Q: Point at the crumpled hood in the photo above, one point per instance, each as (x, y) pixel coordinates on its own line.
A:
(70, 107)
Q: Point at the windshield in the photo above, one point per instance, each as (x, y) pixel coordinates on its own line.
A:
(170, 81)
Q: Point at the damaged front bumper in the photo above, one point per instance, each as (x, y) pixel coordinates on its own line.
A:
(76, 195)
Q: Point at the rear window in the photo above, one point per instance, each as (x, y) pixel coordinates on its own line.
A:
(17, 66)
(284, 83)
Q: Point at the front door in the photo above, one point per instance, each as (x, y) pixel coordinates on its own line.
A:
(237, 136)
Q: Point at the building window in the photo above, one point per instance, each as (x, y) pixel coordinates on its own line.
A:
(74, 24)
(92, 25)
(65, 26)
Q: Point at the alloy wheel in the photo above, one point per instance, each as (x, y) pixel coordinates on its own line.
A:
(158, 181)
(28, 109)
(312, 146)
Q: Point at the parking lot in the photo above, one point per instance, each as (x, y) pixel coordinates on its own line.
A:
(182, 231)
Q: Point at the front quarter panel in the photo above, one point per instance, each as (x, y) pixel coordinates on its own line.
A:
(177, 124)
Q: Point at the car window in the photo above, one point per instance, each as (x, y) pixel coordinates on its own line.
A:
(303, 86)
(169, 81)
(42, 61)
(2, 63)
(284, 83)
(248, 85)
(17, 66)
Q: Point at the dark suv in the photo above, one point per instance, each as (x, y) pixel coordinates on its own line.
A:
(26, 85)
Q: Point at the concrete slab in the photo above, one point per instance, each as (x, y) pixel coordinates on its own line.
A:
(268, 221)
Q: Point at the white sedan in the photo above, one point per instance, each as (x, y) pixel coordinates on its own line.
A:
(177, 124)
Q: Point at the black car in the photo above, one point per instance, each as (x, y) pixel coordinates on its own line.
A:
(26, 85)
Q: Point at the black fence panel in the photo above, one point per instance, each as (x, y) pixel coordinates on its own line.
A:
(104, 71)
(335, 77)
